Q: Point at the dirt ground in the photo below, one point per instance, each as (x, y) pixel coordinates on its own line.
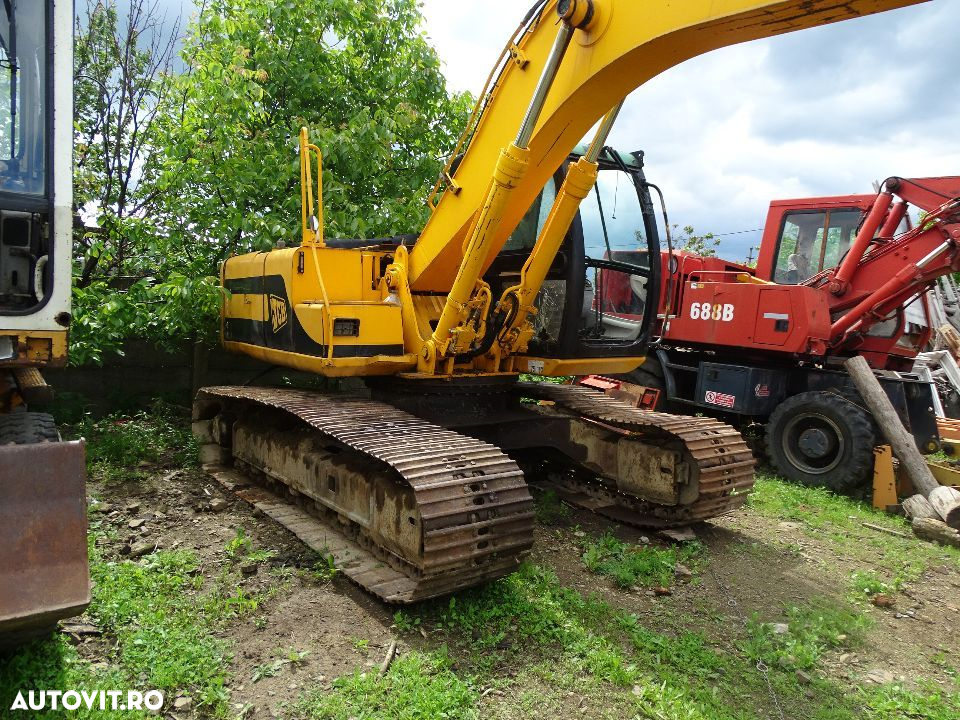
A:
(756, 566)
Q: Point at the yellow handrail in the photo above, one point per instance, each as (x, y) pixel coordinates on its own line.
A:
(311, 235)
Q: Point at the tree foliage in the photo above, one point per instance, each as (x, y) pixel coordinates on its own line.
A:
(122, 85)
(185, 170)
(357, 73)
(122, 78)
(687, 239)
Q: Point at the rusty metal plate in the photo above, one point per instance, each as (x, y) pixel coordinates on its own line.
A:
(44, 574)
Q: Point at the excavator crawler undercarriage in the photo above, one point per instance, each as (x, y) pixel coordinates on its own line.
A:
(410, 509)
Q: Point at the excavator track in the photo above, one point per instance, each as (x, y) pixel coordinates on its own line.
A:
(410, 510)
(433, 511)
(724, 463)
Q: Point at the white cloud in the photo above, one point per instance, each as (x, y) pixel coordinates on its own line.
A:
(823, 111)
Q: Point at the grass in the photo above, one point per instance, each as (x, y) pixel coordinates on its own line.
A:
(544, 650)
(894, 702)
(524, 646)
(868, 583)
(55, 665)
(550, 509)
(812, 631)
(551, 634)
(161, 620)
(118, 444)
(418, 686)
(816, 508)
(823, 514)
(630, 565)
(164, 628)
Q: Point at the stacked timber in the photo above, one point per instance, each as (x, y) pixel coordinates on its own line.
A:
(951, 338)
(935, 510)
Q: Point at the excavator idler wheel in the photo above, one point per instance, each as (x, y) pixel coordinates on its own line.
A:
(820, 439)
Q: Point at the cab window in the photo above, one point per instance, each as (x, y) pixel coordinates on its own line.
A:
(23, 88)
(811, 242)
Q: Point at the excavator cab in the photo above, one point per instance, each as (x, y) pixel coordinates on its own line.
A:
(596, 299)
(24, 127)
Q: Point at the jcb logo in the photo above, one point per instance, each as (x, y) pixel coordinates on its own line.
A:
(278, 313)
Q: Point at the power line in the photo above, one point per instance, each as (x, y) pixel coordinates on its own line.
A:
(738, 232)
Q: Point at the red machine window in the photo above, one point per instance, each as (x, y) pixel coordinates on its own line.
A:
(813, 241)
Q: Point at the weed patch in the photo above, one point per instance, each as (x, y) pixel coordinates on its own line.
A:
(163, 624)
(867, 584)
(894, 702)
(55, 665)
(418, 686)
(816, 507)
(841, 520)
(164, 628)
(550, 509)
(810, 632)
(630, 565)
(585, 644)
(117, 443)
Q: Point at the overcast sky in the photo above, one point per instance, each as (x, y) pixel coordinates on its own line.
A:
(823, 111)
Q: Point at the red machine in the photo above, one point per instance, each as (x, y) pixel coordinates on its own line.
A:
(834, 278)
(842, 277)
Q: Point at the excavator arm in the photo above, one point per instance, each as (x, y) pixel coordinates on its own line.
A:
(624, 44)
(882, 273)
(567, 66)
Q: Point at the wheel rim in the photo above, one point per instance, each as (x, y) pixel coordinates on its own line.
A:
(813, 443)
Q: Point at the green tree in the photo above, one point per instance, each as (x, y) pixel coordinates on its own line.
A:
(218, 172)
(122, 78)
(686, 238)
(358, 74)
(122, 84)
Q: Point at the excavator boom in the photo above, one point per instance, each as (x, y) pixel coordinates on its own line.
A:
(625, 44)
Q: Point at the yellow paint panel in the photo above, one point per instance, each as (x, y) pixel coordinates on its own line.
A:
(246, 307)
(344, 367)
(37, 348)
(552, 367)
(380, 324)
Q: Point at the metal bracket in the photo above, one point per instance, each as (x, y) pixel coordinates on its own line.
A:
(450, 184)
(519, 57)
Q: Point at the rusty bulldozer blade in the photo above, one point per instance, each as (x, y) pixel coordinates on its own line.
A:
(44, 573)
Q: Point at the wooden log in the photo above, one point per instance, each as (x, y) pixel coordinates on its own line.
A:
(917, 506)
(946, 501)
(936, 531)
(902, 442)
(887, 531)
(388, 659)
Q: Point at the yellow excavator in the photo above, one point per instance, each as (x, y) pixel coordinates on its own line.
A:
(415, 488)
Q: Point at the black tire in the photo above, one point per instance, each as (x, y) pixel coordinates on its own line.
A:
(27, 428)
(822, 439)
